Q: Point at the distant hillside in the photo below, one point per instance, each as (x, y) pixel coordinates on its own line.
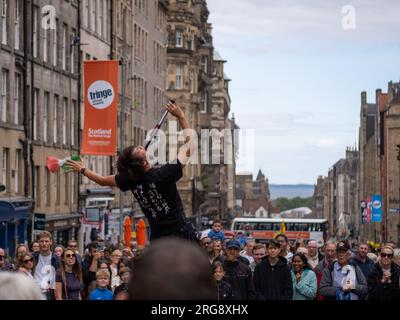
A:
(291, 190)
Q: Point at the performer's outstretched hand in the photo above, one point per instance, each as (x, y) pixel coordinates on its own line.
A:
(175, 110)
(75, 165)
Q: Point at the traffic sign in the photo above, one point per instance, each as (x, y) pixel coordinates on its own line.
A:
(39, 221)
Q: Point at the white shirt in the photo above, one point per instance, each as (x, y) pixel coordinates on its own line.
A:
(45, 274)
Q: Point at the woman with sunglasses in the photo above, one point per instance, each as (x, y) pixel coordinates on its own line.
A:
(26, 264)
(383, 280)
(69, 277)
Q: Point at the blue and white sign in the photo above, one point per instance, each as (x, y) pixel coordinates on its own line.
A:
(376, 208)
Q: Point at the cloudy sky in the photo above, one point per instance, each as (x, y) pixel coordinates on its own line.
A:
(298, 68)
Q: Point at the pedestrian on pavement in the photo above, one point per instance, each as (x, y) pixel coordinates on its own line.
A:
(383, 280)
(154, 188)
(284, 247)
(342, 281)
(303, 278)
(361, 259)
(272, 276)
(69, 278)
(47, 263)
(224, 289)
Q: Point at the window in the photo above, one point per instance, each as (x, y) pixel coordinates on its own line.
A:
(5, 172)
(58, 188)
(179, 76)
(72, 188)
(204, 62)
(4, 95)
(55, 44)
(178, 38)
(73, 109)
(35, 113)
(67, 191)
(203, 102)
(17, 170)
(100, 159)
(64, 47)
(101, 17)
(45, 118)
(86, 17)
(16, 25)
(17, 97)
(36, 179)
(35, 32)
(64, 121)
(45, 31)
(47, 187)
(73, 52)
(93, 15)
(55, 111)
(4, 22)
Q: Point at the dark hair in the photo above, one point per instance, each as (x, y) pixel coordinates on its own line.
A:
(76, 268)
(275, 243)
(174, 277)
(130, 164)
(217, 264)
(217, 221)
(281, 235)
(304, 259)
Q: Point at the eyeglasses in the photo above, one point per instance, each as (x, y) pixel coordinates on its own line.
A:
(29, 260)
(70, 255)
(73, 246)
(387, 255)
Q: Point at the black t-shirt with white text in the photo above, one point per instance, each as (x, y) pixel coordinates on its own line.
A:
(158, 197)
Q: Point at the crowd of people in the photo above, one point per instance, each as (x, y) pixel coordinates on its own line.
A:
(219, 268)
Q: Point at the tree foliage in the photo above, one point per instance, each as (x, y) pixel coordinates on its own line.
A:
(292, 203)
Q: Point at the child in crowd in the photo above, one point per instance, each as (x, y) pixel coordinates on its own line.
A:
(102, 292)
(224, 289)
(216, 231)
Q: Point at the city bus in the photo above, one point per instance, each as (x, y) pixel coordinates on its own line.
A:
(264, 229)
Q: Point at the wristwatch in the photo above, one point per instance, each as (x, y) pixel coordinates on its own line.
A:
(83, 171)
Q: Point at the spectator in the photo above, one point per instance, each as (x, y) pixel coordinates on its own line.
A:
(121, 291)
(303, 278)
(383, 280)
(314, 257)
(362, 261)
(259, 252)
(46, 265)
(248, 250)
(102, 292)
(5, 265)
(26, 264)
(284, 252)
(216, 231)
(16, 286)
(342, 281)
(69, 279)
(178, 269)
(238, 274)
(224, 289)
(272, 277)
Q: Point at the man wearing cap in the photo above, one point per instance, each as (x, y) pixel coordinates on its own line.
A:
(341, 280)
(237, 274)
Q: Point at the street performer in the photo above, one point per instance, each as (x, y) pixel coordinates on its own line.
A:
(154, 188)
